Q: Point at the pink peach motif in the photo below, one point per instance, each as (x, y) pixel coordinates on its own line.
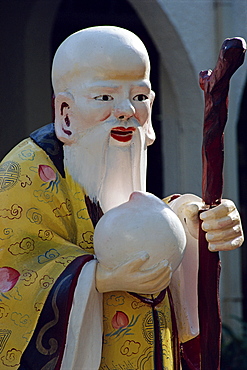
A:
(120, 320)
(8, 278)
(46, 173)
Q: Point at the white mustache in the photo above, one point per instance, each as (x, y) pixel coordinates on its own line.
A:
(132, 122)
(111, 123)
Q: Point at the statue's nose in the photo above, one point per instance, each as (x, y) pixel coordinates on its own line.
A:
(124, 110)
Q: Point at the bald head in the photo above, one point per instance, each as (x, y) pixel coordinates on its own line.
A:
(103, 110)
(104, 52)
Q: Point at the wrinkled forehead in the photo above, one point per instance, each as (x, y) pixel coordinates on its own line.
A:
(104, 53)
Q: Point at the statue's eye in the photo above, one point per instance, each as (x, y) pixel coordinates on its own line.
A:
(140, 97)
(103, 97)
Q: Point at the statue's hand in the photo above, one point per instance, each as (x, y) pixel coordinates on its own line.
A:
(223, 227)
(222, 224)
(132, 276)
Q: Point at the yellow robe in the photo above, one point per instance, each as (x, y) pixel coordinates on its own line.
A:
(128, 342)
(44, 226)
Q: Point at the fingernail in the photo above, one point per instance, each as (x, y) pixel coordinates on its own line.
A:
(210, 236)
(202, 216)
(205, 226)
(211, 247)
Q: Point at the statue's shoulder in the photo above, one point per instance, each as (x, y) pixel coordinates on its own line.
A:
(22, 152)
(40, 150)
(42, 146)
(46, 139)
(20, 166)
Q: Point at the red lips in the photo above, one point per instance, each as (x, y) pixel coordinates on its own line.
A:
(122, 134)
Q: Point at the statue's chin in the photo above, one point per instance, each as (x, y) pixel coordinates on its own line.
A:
(142, 224)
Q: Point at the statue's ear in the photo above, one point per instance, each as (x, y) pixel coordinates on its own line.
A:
(150, 130)
(64, 104)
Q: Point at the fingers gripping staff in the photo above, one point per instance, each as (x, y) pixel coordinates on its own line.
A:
(223, 228)
(216, 86)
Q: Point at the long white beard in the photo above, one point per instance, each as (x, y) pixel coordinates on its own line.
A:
(108, 170)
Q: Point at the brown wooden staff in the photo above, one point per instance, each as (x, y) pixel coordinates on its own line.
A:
(216, 86)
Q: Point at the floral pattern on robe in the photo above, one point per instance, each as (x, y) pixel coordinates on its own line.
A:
(44, 226)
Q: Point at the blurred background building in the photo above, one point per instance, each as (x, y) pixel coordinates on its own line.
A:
(183, 37)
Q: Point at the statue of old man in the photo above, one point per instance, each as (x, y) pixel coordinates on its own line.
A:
(64, 304)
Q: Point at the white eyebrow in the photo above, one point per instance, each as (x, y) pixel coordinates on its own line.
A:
(111, 85)
(101, 84)
(143, 84)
